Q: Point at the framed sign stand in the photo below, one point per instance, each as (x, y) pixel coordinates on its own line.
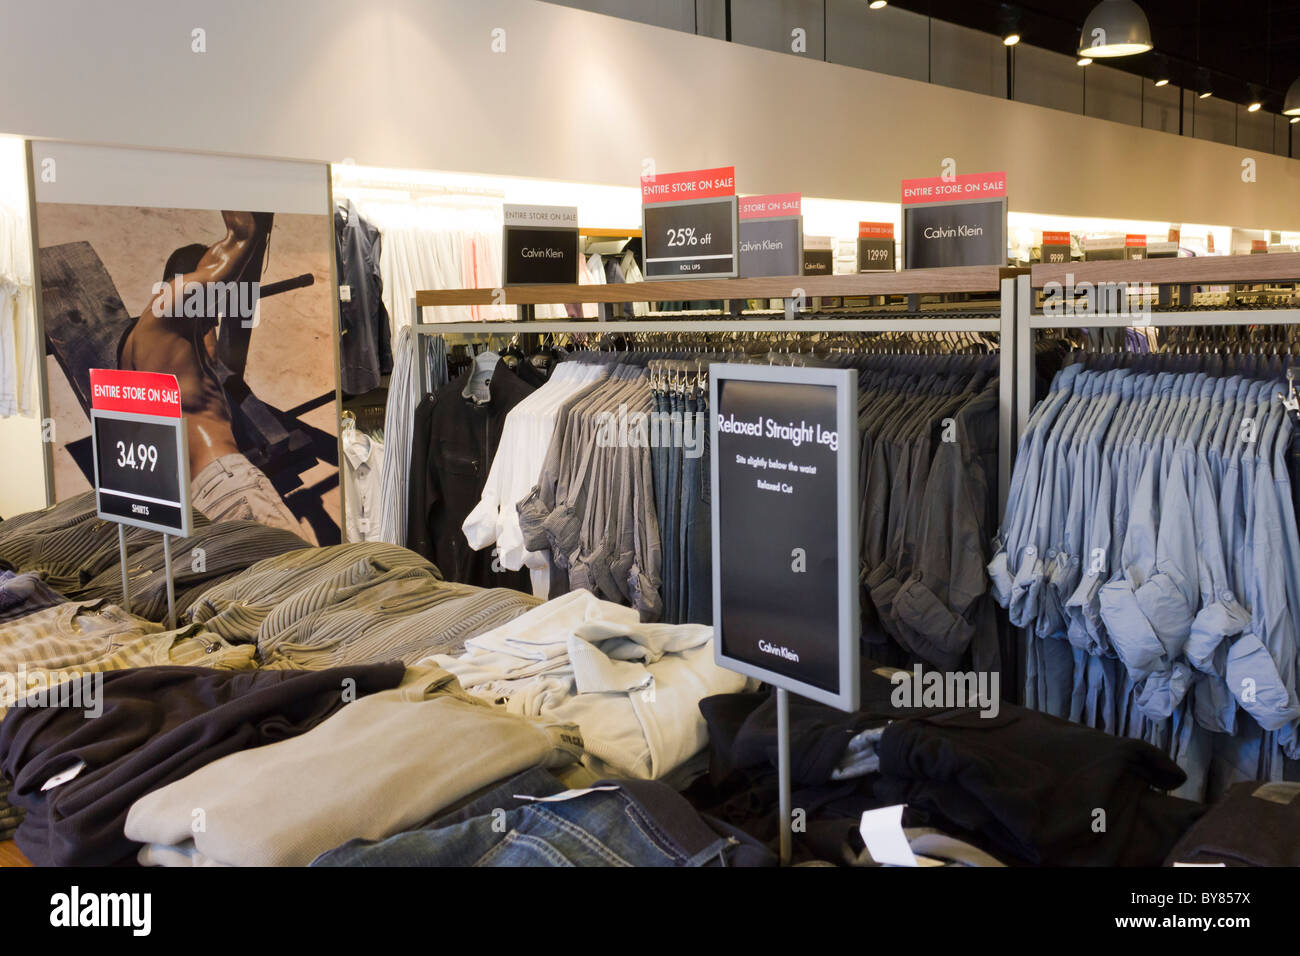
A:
(141, 458)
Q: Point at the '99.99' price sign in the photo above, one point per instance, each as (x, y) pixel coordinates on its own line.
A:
(140, 453)
(688, 224)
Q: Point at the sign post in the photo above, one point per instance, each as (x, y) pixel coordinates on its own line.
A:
(539, 245)
(689, 226)
(960, 221)
(141, 461)
(785, 537)
(771, 235)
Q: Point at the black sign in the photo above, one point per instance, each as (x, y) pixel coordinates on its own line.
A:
(540, 255)
(1055, 254)
(785, 525)
(936, 235)
(692, 239)
(771, 247)
(140, 471)
(875, 255)
(1107, 254)
(818, 262)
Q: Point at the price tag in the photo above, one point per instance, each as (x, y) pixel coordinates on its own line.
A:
(140, 452)
(63, 776)
(876, 247)
(1055, 248)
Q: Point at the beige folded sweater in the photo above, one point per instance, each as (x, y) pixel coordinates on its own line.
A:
(383, 764)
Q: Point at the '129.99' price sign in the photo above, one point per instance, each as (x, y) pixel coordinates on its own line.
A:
(140, 454)
(688, 224)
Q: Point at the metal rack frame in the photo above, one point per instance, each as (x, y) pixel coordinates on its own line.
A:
(1223, 270)
(1003, 324)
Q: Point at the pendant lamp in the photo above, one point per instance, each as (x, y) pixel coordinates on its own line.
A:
(1115, 28)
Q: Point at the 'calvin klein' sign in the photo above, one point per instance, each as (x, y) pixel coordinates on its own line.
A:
(539, 245)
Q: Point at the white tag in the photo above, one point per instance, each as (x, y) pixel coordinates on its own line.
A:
(882, 832)
(345, 293)
(363, 525)
(561, 797)
(64, 776)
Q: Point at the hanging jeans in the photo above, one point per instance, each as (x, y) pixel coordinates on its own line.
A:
(696, 564)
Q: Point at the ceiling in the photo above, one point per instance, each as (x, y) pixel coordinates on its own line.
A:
(1238, 42)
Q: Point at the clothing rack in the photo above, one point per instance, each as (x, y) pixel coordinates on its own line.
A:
(796, 293)
(1167, 276)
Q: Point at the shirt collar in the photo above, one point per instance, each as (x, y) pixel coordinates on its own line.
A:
(357, 446)
(494, 386)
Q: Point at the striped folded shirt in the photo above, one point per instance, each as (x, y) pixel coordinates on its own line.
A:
(273, 594)
(67, 641)
(404, 619)
(206, 558)
(68, 545)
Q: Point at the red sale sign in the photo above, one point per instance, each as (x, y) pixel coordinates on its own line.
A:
(875, 230)
(697, 184)
(140, 393)
(771, 207)
(938, 189)
(1056, 238)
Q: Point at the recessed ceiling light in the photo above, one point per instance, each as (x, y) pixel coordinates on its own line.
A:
(1206, 95)
(1254, 107)
(1162, 82)
(1294, 120)
(877, 4)
(1085, 61)
(1011, 39)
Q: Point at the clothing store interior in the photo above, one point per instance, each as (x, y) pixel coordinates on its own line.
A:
(781, 433)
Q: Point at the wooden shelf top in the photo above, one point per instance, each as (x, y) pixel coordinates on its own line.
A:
(916, 281)
(1200, 270)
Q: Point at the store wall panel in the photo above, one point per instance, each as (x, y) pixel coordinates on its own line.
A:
(1214, 119)
(671, 14)
(1254, 130)
(1281, 135)
(1044, 78)
(1112, 94)
(770, 24)
(967, 59)
(435, 95)
(1160, 107)
(889, 40)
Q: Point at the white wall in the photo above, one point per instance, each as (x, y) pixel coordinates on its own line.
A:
(22, 472)
(579, 97)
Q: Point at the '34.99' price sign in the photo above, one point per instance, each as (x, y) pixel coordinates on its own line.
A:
(140, 454)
